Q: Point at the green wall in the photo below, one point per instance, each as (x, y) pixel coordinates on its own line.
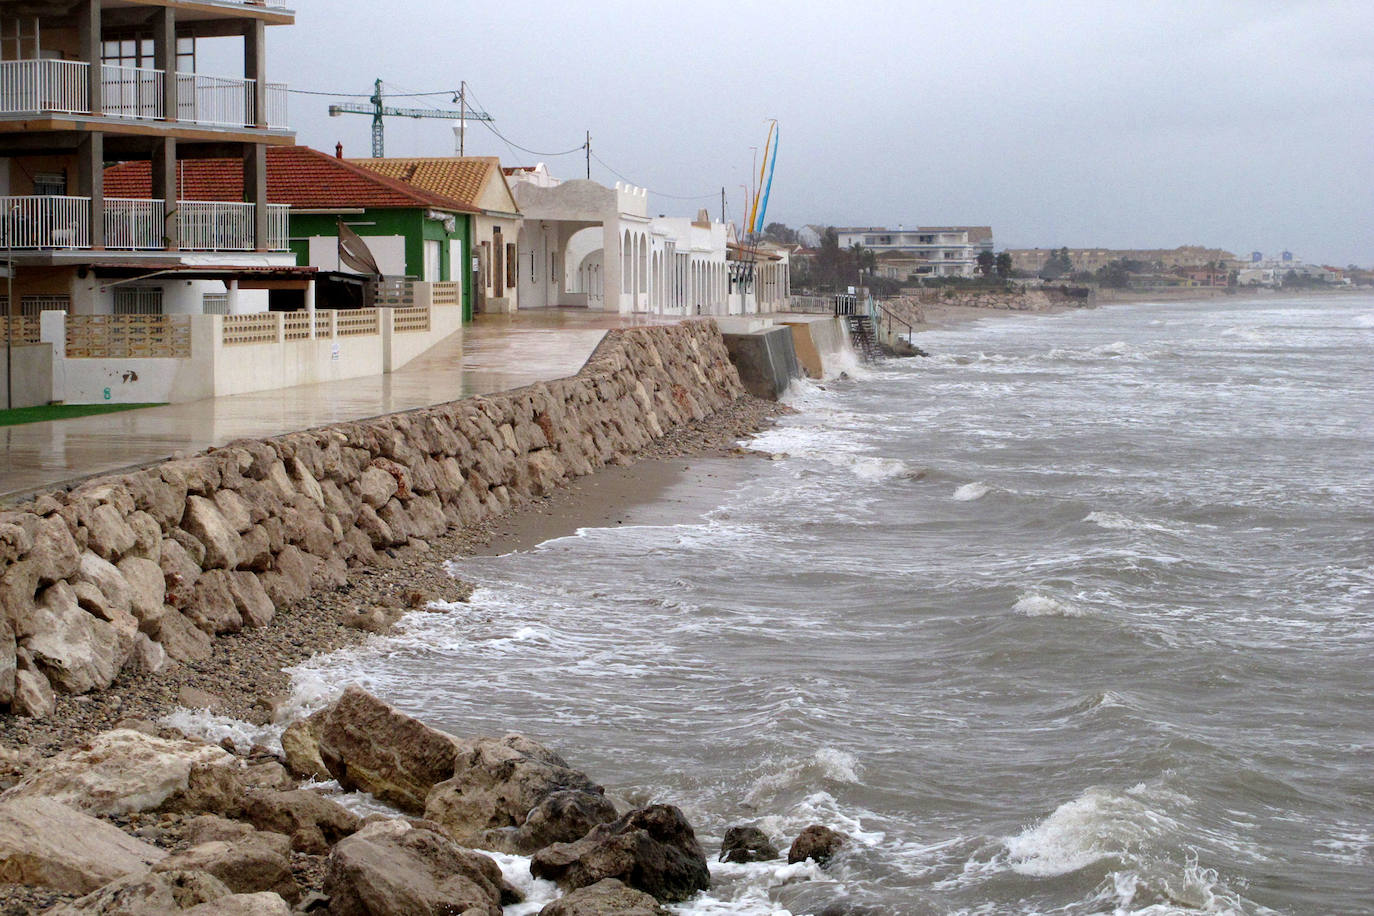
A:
(409, 223)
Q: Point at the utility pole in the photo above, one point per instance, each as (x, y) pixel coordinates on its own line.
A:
(379, 111)
(462, 117)
(722, 206)
(589, 155)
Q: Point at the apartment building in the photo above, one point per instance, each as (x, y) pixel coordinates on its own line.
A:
(925, 251)
(86, 83)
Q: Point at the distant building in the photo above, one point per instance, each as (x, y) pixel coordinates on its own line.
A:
(925, 251)
(1033, 260)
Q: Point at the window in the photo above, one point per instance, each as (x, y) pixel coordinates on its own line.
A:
(138, 300)
(136, 50)
(50, 184)
(214, 303)
(19, 38)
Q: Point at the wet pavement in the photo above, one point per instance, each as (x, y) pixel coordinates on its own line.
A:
(494, 353)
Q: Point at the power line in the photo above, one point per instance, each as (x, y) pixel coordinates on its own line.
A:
(711, 196)
(512, 143)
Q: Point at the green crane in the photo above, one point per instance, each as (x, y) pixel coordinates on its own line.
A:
(379, 111)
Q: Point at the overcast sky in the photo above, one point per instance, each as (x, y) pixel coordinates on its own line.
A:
(1243, 125)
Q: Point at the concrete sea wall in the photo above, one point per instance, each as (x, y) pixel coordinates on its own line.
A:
(138, 568)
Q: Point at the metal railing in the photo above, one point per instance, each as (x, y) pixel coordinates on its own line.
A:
(215, 100)
(886, 320)
(128, 337)
(207, 225)
(45, 222)
(63, 87)
(33, 86)
(135, 224)
(132, 92)
(278, 98)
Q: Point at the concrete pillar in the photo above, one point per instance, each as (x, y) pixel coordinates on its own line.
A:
(164, 168)
(90, 182)
(88, 39)
(310, 305)
(233, 302)
(255, 191)
(255, 68)
(165, 58)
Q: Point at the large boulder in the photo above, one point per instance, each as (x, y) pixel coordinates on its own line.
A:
(204, 521)
(147, 590)
(368, 745)
(313, 822)
(263, 904)
(651, 849)
(118, 772)
(77, 651)
(816, 842)
(259, 862)
(150, 894)
(497, 782)
(747, 844)
(607, 897)
(559, 817)
(300, 745)
(393, 868)
(46, 844)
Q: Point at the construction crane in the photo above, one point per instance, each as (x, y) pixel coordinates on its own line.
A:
(380, 111)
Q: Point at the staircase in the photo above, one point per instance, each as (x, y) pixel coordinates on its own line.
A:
(862, 336)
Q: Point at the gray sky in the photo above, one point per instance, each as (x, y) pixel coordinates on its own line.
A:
(1243, 125)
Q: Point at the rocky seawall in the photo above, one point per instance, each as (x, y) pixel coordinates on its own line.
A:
(133, 571)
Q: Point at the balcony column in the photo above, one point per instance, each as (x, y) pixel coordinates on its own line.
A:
(255, 192)
(255, 68)
(165, 189)
(165, 58)
(88, 39)
(90, 182)
(310, 305)
(231, 300)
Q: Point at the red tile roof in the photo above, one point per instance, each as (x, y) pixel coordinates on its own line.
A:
(304, 178)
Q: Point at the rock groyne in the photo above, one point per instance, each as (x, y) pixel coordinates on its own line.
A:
(150, 566)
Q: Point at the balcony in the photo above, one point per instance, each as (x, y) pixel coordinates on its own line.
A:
(64, 223)
(36, 87)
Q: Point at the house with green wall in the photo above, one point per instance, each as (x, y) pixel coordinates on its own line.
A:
(410, 231)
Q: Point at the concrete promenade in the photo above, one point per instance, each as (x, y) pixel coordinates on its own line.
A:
(495, 353)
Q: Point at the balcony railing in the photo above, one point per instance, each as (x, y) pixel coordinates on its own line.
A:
(45, 222)
(30, 87)
(218, 226)
(59, 223)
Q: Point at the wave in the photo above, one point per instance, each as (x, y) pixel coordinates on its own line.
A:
(971, 491)
(1117, 522)
(825, 764)
(1100, 825)
(1032, 605)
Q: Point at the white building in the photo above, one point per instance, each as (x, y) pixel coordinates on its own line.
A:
(586, 245)
(934, 251)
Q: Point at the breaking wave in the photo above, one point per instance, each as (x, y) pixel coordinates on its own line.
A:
(971, 491)
(1044, 606)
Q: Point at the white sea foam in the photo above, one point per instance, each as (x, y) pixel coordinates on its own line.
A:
(1031, 605)
(1117, 522)
(1100, 824)
(212, 727)
(971, 491)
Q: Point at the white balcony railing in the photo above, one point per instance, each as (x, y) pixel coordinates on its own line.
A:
(62, 87)
(34, 86)
(218, 226)
(135, 224)
(277, 95)
(35, 223)
(215, 100)
(45, 222)
(132, 92)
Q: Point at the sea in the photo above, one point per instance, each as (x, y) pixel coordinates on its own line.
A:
(1073, 616)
